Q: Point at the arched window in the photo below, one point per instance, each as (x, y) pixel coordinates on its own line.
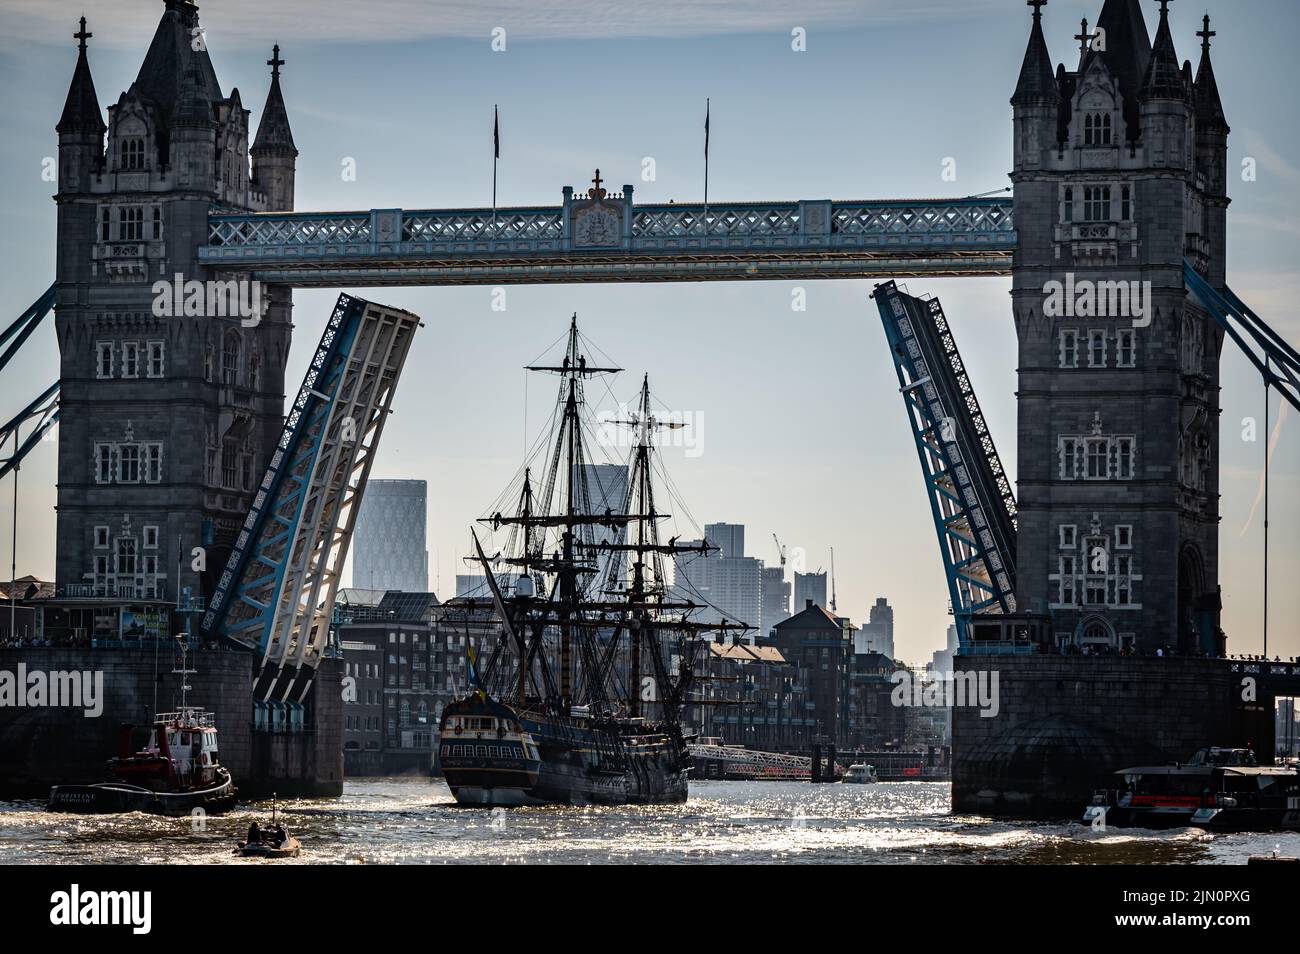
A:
(132, 153)
(254, 369)
(230, 359)
(1096, 129)
(1097, 632)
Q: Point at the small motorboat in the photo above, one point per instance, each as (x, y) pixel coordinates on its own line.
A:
(274, 841)
(860, 774)
(267, 848)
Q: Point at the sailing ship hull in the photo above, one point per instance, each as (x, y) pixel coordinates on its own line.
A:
(493, 755)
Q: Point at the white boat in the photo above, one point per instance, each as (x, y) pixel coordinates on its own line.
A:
(860, 774)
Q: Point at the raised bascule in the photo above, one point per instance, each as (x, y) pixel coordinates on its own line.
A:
(173, 435)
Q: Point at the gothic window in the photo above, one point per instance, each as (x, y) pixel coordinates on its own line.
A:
(1096, 129)
(151, 538)
(132, 153)
(1095, 463)
(1067, 205)
(1096, 568)
(103, 359)
(104, 224)
(126, 563)
(1123, 580)
(155, 365)
(230, 359)
(101, 574)
(1123, 536)
(1124, 458)
(1066, 575)
(254, 369)
(1096, 349)
(1068, 533)
(1096, 203)
(152, 463)
(229, 453)
(1069, 458)
(130, 223)
(1069, 349)
(246, 470)
(1126, 348)
(101, 538)
(103, 463)
(128, 463)
(1126, 203)
(157, 223)
(130, 359)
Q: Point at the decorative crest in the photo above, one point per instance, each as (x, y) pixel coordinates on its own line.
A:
(596, 192)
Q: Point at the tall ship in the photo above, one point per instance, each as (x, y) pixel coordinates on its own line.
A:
(577, 697)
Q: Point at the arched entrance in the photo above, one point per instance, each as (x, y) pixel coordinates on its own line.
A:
(1190, 584)
(1096, 635)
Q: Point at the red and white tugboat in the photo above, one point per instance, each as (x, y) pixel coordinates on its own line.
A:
(178, 770)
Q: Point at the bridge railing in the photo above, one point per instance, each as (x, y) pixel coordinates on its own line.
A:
(921, 224)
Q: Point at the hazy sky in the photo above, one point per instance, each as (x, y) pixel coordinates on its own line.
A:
(803, 432)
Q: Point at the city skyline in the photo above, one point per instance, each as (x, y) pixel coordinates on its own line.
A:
(829, 363)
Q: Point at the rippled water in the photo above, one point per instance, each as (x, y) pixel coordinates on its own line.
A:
(414, 820)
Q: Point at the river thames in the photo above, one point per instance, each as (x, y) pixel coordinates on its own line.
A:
(415, 821)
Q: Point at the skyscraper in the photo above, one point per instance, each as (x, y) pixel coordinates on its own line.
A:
(809, 586)
(776, 598)
(729, 581)
(878, 633)
(389, 542)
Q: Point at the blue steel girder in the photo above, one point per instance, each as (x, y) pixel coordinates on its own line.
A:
(1277, 362)
(970, 495)
(611, 239)
(280, 580)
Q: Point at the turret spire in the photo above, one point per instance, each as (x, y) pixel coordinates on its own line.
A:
(1037, 83)
(81, 109)
(1209, 108)
(1163, 78)
(273, 132)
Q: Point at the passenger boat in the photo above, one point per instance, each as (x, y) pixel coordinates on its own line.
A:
(177, 772)
(860, 774)
(1219, 789)
(577, 693)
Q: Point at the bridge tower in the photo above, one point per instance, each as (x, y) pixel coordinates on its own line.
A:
(1119, 174)
(169, 414)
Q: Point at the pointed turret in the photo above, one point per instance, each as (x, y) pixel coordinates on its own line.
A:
(1124, 46)
(273, 132)
(1037, 83)
(178, 48)
(1209, 108)
(1163, 78)
(81, 112)
(81, 127)
(274, 154)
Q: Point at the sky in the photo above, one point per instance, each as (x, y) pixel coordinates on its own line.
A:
(800, 428)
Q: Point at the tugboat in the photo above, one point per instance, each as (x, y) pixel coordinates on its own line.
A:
(177, 771)
(1219, 789)
(579, 700)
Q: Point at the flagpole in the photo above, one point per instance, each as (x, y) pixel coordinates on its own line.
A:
(496, 154)
(706, 163)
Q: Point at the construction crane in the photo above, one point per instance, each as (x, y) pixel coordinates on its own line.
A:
(780, 550)
(833, 609)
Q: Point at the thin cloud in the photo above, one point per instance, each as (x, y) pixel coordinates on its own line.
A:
(237, 23)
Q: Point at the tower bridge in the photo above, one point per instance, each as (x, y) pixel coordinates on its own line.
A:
(173, 434)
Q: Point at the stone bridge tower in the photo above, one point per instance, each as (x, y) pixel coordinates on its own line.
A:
(1120, 175)
(169, 414)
